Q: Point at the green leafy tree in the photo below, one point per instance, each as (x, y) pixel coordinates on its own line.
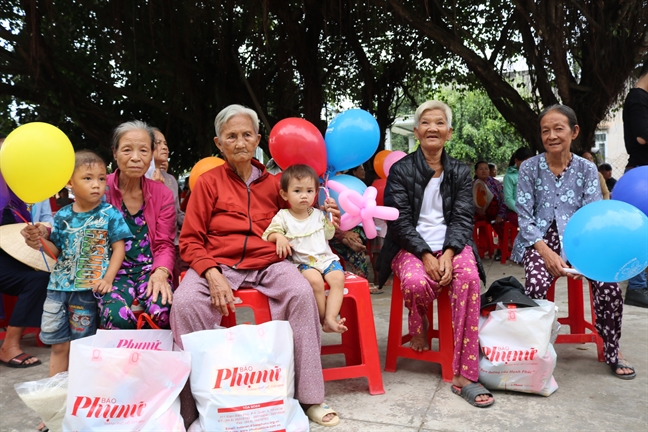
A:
(176, 64)
(579, 52)
(479, 130)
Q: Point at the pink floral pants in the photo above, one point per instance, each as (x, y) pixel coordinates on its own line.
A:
(419, 291)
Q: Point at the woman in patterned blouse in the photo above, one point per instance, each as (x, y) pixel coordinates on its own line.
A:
(552, 186)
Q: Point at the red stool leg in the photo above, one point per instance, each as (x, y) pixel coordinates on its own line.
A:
(477, 238)
(506, 241)
(575, 305)
(444, 332)
(350, 345)
(483, 238)
(359, 344)
(578, 326)
(446, 335)
(368, 340)
(395, 336)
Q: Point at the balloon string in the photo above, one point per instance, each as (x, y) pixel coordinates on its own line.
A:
(326, 192)
(49, 252)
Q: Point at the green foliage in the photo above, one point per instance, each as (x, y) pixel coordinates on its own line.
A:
(479, 130)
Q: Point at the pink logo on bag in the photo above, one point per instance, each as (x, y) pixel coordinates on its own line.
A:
(504, 354)
(245, 376)
(105, 407)
(128, 343)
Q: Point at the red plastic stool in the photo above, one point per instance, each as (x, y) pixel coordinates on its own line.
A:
(9, 304)
(506, 245)
(576, 317)
(483, 238)
(396, 339)
(254, 300)
(359, 344)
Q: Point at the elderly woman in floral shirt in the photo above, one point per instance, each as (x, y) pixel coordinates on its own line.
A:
(551, 188)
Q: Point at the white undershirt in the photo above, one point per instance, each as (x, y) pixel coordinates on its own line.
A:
(431, 225)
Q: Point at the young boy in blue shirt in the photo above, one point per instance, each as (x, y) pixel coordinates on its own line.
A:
(88, 239)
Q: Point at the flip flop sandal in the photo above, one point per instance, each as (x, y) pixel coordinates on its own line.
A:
(623, 364)
(471, 391)
(18, 362)
(317, 412)
(373, 289)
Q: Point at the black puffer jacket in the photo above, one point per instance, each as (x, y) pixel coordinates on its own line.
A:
(404, 191)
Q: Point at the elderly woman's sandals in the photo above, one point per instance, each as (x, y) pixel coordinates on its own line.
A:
(317, 413)
(471, 391)
(623, 364)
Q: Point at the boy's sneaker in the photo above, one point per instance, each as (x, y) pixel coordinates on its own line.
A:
(637, 297)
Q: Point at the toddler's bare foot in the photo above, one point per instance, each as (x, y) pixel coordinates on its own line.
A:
(419, 343)
(333, 326)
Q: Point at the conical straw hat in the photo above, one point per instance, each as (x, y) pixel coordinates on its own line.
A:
(12, 242)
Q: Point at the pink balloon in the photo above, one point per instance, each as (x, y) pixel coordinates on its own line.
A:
(347, 203)
(362, 209)
(337, 187)
(347, 221)
(369, 228)
(386, 213)
(391, 159)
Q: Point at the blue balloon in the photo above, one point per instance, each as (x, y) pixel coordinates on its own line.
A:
(632, 188)
(351, 139)
(607, 241)
(347, 180)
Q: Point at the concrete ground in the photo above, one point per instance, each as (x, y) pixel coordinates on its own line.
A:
(417, 399)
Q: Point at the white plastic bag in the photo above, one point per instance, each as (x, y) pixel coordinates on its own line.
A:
(242, 378)
(47, 397)
(123, 389)
(516, 351)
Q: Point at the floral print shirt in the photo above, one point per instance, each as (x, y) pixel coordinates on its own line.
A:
(543, 197)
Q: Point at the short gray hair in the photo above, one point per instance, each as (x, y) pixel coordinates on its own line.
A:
(561, 109)
(233, 110)
(130, 126)
(433, 105)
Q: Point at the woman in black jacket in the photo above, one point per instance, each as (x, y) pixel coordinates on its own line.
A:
(429, 246)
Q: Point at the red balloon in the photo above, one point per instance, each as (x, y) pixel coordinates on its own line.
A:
(380, 184)
(297, 141)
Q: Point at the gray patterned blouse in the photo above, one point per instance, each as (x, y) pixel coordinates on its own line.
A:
(542, 198)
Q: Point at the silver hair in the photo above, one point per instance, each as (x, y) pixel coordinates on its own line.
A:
(432, 105)
(154, 129)
(233, 110)
(126, 127)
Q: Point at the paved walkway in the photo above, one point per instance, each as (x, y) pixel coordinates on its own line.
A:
(417, 399)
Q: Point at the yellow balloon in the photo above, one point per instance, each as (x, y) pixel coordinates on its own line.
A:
(36, 160)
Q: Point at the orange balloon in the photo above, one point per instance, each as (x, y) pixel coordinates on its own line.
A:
(202, 166)
(379, 162)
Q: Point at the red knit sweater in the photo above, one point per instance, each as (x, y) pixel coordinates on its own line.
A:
(224, 221)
